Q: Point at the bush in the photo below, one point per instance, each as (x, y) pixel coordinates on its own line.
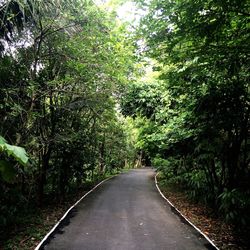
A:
(235, 206)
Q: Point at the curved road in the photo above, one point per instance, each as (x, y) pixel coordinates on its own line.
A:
(125, 213)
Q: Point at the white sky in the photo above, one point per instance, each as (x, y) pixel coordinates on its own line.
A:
(127, 12)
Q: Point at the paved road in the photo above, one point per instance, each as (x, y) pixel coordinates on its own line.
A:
(126, 213)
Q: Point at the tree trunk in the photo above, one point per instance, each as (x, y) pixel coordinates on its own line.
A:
(42, 177)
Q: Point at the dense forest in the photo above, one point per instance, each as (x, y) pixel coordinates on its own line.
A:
(84, 93)
(193, 118)
(63, 65)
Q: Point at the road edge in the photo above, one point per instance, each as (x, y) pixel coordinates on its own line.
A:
(67, 212)
(182, 216)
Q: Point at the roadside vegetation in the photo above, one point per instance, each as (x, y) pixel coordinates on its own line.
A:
(62, 66)
(84, 94)
(192, 113)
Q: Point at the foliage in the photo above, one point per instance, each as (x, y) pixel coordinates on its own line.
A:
(7, 170)
(198, 108)
(18, 153)
(62, 67)
(234, 205)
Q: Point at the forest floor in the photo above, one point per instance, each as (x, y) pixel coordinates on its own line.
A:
(204, 218)
(30, 232)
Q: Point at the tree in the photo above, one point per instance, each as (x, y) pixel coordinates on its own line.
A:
(68, 65)
(201, 53)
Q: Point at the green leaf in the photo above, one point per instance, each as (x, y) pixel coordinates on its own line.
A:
(18, 153)
(2, 141)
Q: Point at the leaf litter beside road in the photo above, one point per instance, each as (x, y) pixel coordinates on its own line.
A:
(203, 217)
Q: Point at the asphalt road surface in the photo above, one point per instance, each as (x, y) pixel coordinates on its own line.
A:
(125, 213)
